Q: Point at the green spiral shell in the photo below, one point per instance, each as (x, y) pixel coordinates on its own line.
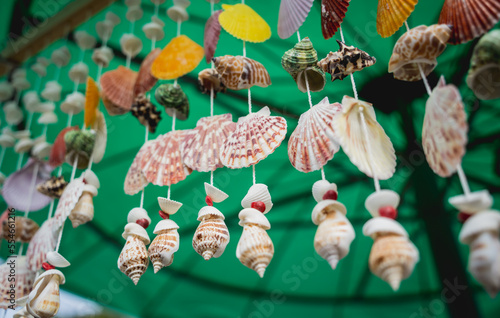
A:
(174, 100)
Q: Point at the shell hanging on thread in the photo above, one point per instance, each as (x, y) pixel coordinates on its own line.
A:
(25, 278)
(208, 80)
(146, 112)
(79, 147)
(173, 98)
(24, 229)
(83, 211)
(117, 90)
(145, 80)
(211, 35)
(418, 46)
(165, 244)
(68, 200)
(332, 14)
(58, 151)
(133, 260)
(43, 242)
(238, 72)
(244, 23)
(256, 136)
(135, 180)
(392, 14)
(44, 300)
(211, 236)
(54, 187)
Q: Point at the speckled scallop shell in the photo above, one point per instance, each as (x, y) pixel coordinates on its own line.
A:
(53, 187)
(24, 229)
(24, 279)
(469, 18)
(391, 14)
(135, 180)
(117, 90)
(256, 136)
(179, 57)
(312, 143)
(145, 80)
(166, 243)
(420, 45)
(91, 102)
(68, 200)
(211, 35)
(332, 14)
(43, 242)
(211, 236)
(202, 144)
(208, 80)
(374, 157)
(292, 15)
(146, 112)
(238, 72)
(444, 135)
(244, 23)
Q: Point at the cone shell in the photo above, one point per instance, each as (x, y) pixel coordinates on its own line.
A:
(212, 235)
(332, 14)
(58, 151)
(79, 144)
(421, 45)
(145, 80)
(255, 249)
(83, 211)
(244, 23)
(178, 58)
(166, 243)
(209, 80)
(173, 98)
(444, 135)
(292, 15)
(391, 14)
(118, 90)
(24, 229)
(202, 144)
(211, 35)
(133, 260)
(312, 143)
(238, 72)
(68, 200)
(135, 180)
(320, 187)
(256, 136)
(146, 112)
(91, 102)
(44, 300)
(374, 157)
(43, 242)
(258, 192)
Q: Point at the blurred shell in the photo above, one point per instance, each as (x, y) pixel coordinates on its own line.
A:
(135, 180)
(134, 13)
(84, 40)
(202, 144)
(154, 29)
(102, 56)
(251, 216)
(484, 72)
(61, 56)
(173, 98)
(211, 35)
(6, 91)
(47, 118)
(113, 18)
(91, 102)
(57, 260)
(169, 206)
(486, 221)
(83, 211)
(117, 89)
(211, 236)
(292, 15)
(19, 73)
(314, 77)
(13, 113)
(178, 11)
(444, 135)
(24, 229)
(374, 157)
(44, 301)
(146, 112)
(104, 29)
(68, 200)
(79, 72)
(300, 57)
(43, 242)
(326, 207)
(256, 136)
(25, 278)
(41, 150)
(320, 187)
(137, 214)
(421, 45)
(74, 103)
(39, 69)
(166, 243)
(101, 137)
(130, 44)
(133, 260)
(381, 225)
(332, 14)
(91, 178)
(469, 18)
(53, 187)
(391, 15)
(215, 194)
(244, 23)
(380, 199)
(44, 107)
(20, 83)
(58, 151)
(346, 61)
(255, 248)
(258, 192)
(52, 91)
(145, 80)
(7, 141)
(209, 79)
(473, 202)
(79, 147)
(238, 72)
(179, 57)
(312, 144)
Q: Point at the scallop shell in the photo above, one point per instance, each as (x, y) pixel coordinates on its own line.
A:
(444, 135)
(421, 45)
(57, 260)
(244, 23)
(24, 280)
(44, 301)
(102, 56)
(258, 192)
(215, 194)
(24, 229)
(292, 15)
(177, 12)
(118, 90)
(320, 187)
(54, 187)
(79, 72)
(31, 101)
(255, 248)
(391, 14)
(6, 91)
(346, 61)
(173, 98)
(312, 144)
(211, 236)
(21, 83)
(68, 200)
(332, 14)
(238, 72)
(166, 243)
(84, 40)
(137, 214)
(134, 13)
(146, 112)
(473, 202)
(380, 199)
(154, 29)
(326, 207)
(256, 136)
(469, 18)
(7, 141)
(201, 146)
(43, 242)
(374, 157)
(13, 113)
(135, 180)
(39, 69)
(211, 35)
(169, 206)
(79, 147)
(179, 57)
(104, 29)
(113, 18)
(130, 44)
(74, 103)
(84, 208)
(61, 56)
(145, 80)
(91, 102)
(133, 260)
(209, 80)
(58, 151)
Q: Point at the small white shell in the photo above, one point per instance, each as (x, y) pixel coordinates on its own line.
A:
(137, 214)
(165, 225)
(258, 192)
(79, 72)
(74, 103)
(134, 13)
(90, 189)
(39, 69)
(84, 40)
(52, 91)
(91, 178)
(41, 150)
(47, 118)
(23, 145)
(380, 199)
(252, 216)
(22, 134)
(325, 207)
(13, 114)
(130, 44)
(215, 194)
(113, 18)
(381, 225)
(321, 187)
(45, 107)
(169, 206)
(137, 230)
(154, 29)
(61, 56)
(178, 11)
(6, 91)
(478, 223)
(473, 202)
(102, 56)
(7, 141)
(19, 73)
(104, 29)
(31, 100)
(57, 260)
(21, 83)
(209, 211)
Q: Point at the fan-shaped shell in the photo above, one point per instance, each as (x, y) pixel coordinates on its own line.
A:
(486, 221)
(84, 40)
(130, 44)
(13, 113)
(244, 23)
(118, 90)
(211, 35)
(168, 206)
(238, 72)
(178, 58)
(201, 145)
(43, 242)
(484, 263)
(312, 143)
(146, 112)
(258, 192)
(154, 29)
(135, 180)
(178, 12)
(332, 14)
(39, 69)
(102, 56)
(374, 156)
(211, 236)
(7, 141)
(68, 200)
(215, 194)
(47, 118)
(52, 91)
(91, 101)
(255, 248)
(24, 229)
(145, 80)
(74, 103)
(134, 13)
(391, 14)
(24, 279)
(58, 151)
(57, 260)
(292, 15)
(104, 29)
(256, 136)
(61, 56)
(79, 72)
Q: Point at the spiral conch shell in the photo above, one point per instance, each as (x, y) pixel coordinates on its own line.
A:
(165, 244)
(239, 72)
(84, 208)
(211, 236)
(393, 256)
(44, 301)
(133, 260)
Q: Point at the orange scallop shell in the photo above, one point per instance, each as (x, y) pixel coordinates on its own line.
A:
(391, 14)
(91, 102)
(118, 90)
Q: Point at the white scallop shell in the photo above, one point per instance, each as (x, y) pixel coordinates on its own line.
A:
(258, 192)
(166, 224)
(154, 29)
(251, 216)
(73, 104)
(21, 83)
(91, 178)
(21, 134)
(6, 91)
(326, 207)
(379, 225)
(84, 40)
(104, 29)
(52, 91)
(320, 187)
(178, 11)
(134, 13)
(39, 69)
(13, 114)
(31, 101)
(215, 194)
(379, 199)
(41, 150)
(137, 214)
(113, 18)
(61, 56)
(473, 202)
(208, 211)
(23, 145)
(169, 206)
(57, 260)
(7, 141)
(79, 72)
(137, 230)
(130, 44)
(487, 221)
(47, 118)
(45, 107)
(102, 56)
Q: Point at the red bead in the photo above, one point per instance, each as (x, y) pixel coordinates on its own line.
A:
(463, 216)
(47, 266)
(143, 222)
(208, 201)
(388, 212)
(164, 215)
(330, 195)
(258, 205)
(84, 181)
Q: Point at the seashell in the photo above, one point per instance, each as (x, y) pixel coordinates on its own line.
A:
(391, 15)
(130, 3)
(24, 278)
(57, 260)
(169, 206)
(374, 157)
(444, 135)
(21, 83)
(39, 69)
(68, 200)
(134, 13)
(104, 29)
(484, 71)
(472, 202)
(258, 192)
(44, 107)
(215, 194)
(211, 35)
(137, 214)
(346, 61)
(22, 134)
(73, 103)
(201, 146)
(43, 242)
(292, 15)
(419, 46)
(13, 114)
(174, 100)
(133, 260)
(312, 77)
(101, 137)
(53, 187)
(44, 301)
(177, 12)
(145, 80)
(79, 72)
(154, 29)
(211, 236)
(23, 229)
(146, 112)
(135, 180)
(22, 313)
(166, 243)
(113, 18)
(118, 90)
(84, 40)
(47, 118)
(130, 44)
(256, 136)
(332, 14)
(58, 151)
(380, 199)
(469, 18)
(209, 80)
(41, 150)
(324, 208)
(91, 178)
(102, 56)
(238, 72)
(159, 2)
(179, 57)
(52, 91)
(31, 101)
(19, 73)
(378, 226)
(61, 56)
(79, 147)
(84, 208)
(255, 248)
(320, 187)
(312, 143)
(244, 23)
(7, 141)
(486, 221)
(6, 91)
(91, 102)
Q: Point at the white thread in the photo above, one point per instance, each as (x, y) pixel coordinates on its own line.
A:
(307, 80)
(253, 174)
(58, 74)
(32, 188)
(129, 59)
(30, 120)
(211, 101)
(173, 120)
(153, 43)
(59, 172)
(20, 161)
(323, 173)
(298, 35)
(369, 150)
(70, 119)
(211, 7)
(37, 85)
(51, 208)
(99, 73)
(211, 178)
(132, 27)
(249, 102)
(75, 162)
(146, 137)
(463, 180)
(157, 8)
(82, 55)
(179, 27)
(407, 27)
(352, 76)
(424, 78)
(168, 194)
(59, 238)
(91, 161)
(2, 155)
(44, 131)
(244, 49)
(142, 198)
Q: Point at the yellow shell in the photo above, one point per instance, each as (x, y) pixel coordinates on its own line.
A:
(179, 57)
(244, 23)
(391, 14)
(91, 102)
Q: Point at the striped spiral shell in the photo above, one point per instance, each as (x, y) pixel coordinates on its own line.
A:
(255, 248)
(133, 260)
(211, 237)
(162, 249)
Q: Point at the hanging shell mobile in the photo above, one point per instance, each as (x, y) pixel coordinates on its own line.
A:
(133, 260)
(211, 35)
(44, 300)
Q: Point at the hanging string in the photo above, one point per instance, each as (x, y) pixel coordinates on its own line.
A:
(75, 162)
(179, 22)
(2, 155)
(323, 173)
(59, 238)
(30, 198)
(146, 137)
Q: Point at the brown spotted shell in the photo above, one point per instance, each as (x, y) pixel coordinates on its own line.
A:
(23, 229)
(238, 72)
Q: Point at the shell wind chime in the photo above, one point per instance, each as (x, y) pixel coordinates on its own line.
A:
(133, 260)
